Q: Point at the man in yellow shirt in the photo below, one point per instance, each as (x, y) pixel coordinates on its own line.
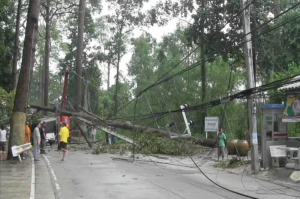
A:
(64, 135)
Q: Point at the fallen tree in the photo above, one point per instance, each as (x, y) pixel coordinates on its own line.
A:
(124, 125)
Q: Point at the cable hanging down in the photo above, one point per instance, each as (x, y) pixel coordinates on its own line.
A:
(221, 49)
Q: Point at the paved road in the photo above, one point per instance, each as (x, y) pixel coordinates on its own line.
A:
(90, 176)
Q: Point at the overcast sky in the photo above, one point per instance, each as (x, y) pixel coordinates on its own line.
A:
(156, 32)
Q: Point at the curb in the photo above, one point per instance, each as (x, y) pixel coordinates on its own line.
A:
(32, 190)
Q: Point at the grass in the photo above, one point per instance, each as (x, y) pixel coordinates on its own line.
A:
(234, 163)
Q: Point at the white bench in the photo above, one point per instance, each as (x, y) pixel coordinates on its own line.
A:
(277, 153)
(17, 150)
(297, 160)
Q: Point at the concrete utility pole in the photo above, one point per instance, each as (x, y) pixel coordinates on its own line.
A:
(250, 79)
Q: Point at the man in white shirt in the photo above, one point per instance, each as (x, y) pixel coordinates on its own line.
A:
(2, 139)
(94, 133)
(36, 142)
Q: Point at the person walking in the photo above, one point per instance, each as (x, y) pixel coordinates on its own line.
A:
(2, 139)
(221, 144)
(64, 135)
(43, 137)
(36, 142)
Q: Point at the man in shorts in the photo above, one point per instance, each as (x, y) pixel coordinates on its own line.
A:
(64, 135)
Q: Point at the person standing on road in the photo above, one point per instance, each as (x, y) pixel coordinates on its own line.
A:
(94, 133)
(2, 139)
(221, 144)
(36, 142)
(64, 135)
(43, 137)
(27, 133)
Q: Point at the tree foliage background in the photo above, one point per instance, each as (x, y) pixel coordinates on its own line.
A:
(110, 37)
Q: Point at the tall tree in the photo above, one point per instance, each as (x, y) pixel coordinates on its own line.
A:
(47, 56)
(19, 112)
(16, 47)
(7, 38)
(79, 54)
(203, 66)
(128, 14)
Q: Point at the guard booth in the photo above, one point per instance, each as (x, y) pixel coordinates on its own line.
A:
(274, 131)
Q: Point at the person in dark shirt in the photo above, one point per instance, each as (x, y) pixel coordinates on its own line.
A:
(43, 138)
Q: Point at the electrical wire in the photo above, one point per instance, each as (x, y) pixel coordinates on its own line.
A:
(244, 195)
(224, 48)
(189, 54)
(219, 50)
(240, 95)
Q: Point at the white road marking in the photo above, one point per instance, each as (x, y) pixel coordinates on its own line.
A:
(32, 190)
(54, 178)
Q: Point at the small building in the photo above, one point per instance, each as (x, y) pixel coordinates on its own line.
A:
(276, 119)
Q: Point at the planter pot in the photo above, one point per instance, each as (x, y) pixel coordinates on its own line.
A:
(242, 147)
(231, 147)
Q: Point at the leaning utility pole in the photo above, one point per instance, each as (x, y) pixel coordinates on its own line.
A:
(250, 79)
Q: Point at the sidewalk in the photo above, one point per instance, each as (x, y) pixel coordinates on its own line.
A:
(15, 179)
(23, 180)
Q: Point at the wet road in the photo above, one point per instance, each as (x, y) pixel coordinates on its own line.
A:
(85, 175)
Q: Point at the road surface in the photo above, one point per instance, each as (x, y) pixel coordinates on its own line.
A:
(84, 175)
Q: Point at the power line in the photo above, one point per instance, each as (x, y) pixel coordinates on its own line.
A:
(240, 95)
(189, 54)
(219, 50)
(247, 196)
(229, 45)
(96, 87)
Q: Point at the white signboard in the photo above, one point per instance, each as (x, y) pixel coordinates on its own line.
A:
(211, 124)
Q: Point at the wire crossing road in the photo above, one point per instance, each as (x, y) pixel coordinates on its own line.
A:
(85, 175)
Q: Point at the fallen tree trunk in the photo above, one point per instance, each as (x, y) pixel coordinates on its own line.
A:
(63, 112)
(126, 125)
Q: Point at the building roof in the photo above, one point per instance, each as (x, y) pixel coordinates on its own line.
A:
(291, 86)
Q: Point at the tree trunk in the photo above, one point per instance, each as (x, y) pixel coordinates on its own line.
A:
(203, 66)
(19, 112)
(16, 48)
(108, 74)
(277, 43)
(118, 71)
(85, 101)
(79, 55)
(47, 56)
(41, 90)
(253, 27)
